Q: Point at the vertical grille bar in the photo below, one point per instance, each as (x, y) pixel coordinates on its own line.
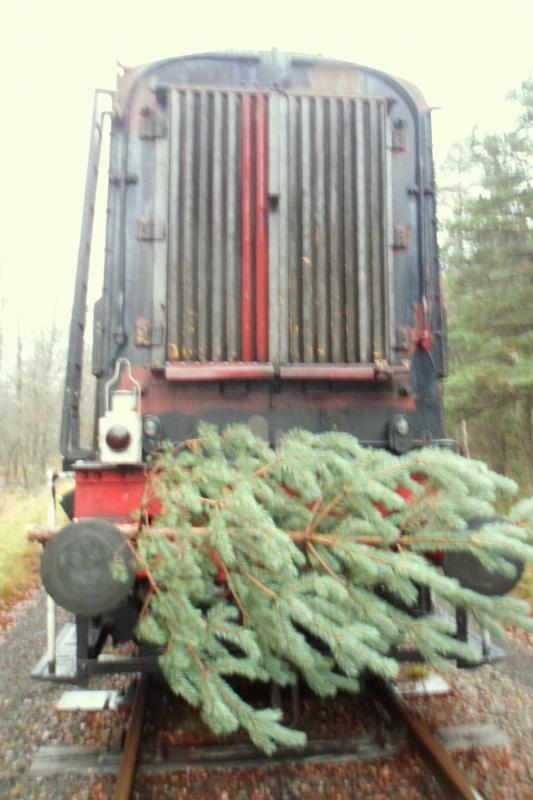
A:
(173, 228)
(233, 231)
(275, 167)
(294, 225)
(364, 306)
(217, 293)
(283, 209)
(349, 261)
(204, 269)
(320, 235)
(334, 249)
(160, 249)
(246, 205)
(307, 260)
(387, 234)
(383, 228)
(187, 266)
(375, 231)
(261, 263)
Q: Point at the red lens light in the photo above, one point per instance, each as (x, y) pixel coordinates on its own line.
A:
(118, 437)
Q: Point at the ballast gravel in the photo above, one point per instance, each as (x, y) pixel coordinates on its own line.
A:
(28, 715)
(500, 694)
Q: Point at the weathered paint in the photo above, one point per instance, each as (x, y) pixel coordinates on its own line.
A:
(261, 233)
(268, 188)
(218, 371)
(246, 189)
(111, 493)
(330, 187)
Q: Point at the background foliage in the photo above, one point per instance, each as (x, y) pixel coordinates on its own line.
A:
(31, 397)
(30, 406)
(487, 200)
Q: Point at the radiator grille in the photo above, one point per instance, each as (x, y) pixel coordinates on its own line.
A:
(213, 262)
(337, 227)
(301, 181)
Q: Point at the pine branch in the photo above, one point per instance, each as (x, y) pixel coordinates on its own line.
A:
(261, 566)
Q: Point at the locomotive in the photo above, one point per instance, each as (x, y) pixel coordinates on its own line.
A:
(270, 259)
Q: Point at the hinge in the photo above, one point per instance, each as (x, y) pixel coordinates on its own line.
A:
(115, 178)
(407, 338)
(401, 239)
(400, 136)
(417, 191)
(423, 335)
(403, 338)
(151, 230)
(152, 125)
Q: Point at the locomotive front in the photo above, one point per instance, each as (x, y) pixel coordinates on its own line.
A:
(270, 259)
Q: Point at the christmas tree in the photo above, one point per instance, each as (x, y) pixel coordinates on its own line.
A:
(302, 562)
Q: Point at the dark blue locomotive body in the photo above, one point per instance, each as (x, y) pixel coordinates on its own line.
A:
(271, 259)
(271, 251)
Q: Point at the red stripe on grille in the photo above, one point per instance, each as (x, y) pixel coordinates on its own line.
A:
(246, 290)
(261, 242)
(254, 208)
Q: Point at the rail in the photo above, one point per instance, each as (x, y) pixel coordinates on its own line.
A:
(453, 782)
(130, 752)
(244, 756)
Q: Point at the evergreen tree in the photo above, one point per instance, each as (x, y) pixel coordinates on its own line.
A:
(488, 258)
(300, 562)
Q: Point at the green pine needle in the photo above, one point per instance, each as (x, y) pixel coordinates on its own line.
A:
(304, 561)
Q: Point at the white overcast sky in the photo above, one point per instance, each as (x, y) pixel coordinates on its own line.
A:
(465, 55)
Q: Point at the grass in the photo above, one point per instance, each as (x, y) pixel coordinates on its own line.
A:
(19, 558)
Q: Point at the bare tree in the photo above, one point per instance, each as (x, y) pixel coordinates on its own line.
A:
(30, 400)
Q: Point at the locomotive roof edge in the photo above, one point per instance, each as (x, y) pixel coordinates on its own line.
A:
(270, 62)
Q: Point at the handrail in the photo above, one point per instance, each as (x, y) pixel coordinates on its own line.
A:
(70, 421)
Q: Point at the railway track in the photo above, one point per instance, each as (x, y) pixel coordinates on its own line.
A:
(178, 763)
(453, 784)
(130, 751)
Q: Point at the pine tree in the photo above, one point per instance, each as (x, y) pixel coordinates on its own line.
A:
(272, 564)
(488, 256)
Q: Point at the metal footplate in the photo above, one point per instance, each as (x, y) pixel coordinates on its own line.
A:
(64, 669)
(68, 668)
